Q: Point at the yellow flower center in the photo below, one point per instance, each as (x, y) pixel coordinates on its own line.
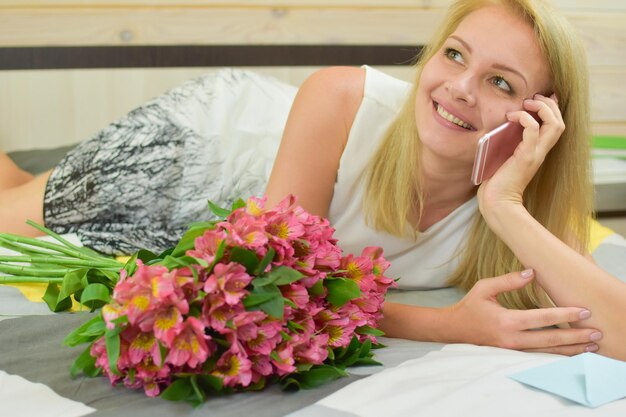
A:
(334, 333)
(354, 271)
(141, 302)
(143, 342)
(167, 319)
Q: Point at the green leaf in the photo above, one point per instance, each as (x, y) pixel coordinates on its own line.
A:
(211, 382)
(131, 265)
(86, 332)
(72, 282)
(281, 275)
(341, 290)
(188, 241)
(369, 330)
(293, 326)
(268, 299)
(147, 257)
(237, 204)
(317, 376)
(84, 363)
(112, 275)
(112, 343)
(317, 289)
(178, 390)
(366, 362)
(197, 391)
(162, 352)
(331, 354)
(51, 297)
(350, 349)
(274, 307)
(95, 296)
(289, 302)
(222, 213)
(301, 367)
(219, 254)
(245, 257)
(290, 384)
(365, 349)
(260, 295)
(171, 262)
(96, 329)
(267, 259)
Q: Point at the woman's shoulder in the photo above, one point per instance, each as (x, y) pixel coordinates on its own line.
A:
(340, 88)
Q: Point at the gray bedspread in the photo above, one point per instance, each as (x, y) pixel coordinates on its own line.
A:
(32, 348)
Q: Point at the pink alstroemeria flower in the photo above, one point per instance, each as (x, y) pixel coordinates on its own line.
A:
(313, 351)
(267, 338)
(168, 323)
(234, 368)
(245, 230)
(190, 347)
(296, 293)
(231, 279)
(205, 246)
(283, 359)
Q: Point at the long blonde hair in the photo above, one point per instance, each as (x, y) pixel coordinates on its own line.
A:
(559, 196)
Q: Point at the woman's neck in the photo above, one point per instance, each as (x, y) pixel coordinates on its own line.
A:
(445, 186)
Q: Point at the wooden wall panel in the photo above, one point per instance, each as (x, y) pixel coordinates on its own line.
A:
(49, 108)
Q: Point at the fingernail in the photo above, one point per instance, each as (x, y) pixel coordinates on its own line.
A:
(591, 348)
(538, 96)
(554, 97)
(585, 314)
(595, 336)
(527, 273)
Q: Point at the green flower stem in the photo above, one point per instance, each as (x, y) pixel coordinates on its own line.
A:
(52, 234)
(63, 261)
(20, 240)
(29, 280)
(23, 249)
(33, 271)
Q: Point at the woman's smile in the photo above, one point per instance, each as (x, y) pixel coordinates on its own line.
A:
(450, 119)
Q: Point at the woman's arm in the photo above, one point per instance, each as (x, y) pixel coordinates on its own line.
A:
(314, 138)
(479, 319)
(568, 277)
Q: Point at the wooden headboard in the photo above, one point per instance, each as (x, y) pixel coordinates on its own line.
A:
(71, 66)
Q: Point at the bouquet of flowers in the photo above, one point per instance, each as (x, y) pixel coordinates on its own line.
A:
(260, 296)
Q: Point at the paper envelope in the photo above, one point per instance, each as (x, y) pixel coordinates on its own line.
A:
(588, 379)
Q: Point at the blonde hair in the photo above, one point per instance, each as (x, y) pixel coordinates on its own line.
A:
(559, 196)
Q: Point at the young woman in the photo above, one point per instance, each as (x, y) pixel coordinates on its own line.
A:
(389, 164)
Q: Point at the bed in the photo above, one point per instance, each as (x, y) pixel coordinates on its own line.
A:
(30, 335)
(31, 348)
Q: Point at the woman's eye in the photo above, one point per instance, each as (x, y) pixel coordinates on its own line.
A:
(453, 54)
(502, 84)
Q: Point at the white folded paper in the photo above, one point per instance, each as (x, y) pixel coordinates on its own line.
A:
(20, 397)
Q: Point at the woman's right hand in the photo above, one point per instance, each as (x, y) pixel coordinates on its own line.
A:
(479, 319)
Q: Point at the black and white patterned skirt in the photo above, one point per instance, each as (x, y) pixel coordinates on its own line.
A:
(140, 181)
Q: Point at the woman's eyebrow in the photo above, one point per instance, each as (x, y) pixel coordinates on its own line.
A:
(501, 67)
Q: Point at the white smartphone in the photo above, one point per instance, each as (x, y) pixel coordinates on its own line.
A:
(494, 149)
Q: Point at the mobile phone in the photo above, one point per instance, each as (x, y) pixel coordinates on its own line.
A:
(494, 149)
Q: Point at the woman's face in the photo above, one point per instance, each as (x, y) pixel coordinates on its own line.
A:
(486, 68)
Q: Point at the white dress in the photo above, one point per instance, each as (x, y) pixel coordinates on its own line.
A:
(425, 263)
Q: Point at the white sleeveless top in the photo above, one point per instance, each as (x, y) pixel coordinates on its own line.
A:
(422, 264)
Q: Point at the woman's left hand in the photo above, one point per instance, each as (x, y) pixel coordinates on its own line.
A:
(509, 182)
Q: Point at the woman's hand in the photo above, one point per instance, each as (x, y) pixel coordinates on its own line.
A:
(479, 319)
(510, 181)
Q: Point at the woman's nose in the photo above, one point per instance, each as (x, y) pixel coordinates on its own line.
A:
(462, 87)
